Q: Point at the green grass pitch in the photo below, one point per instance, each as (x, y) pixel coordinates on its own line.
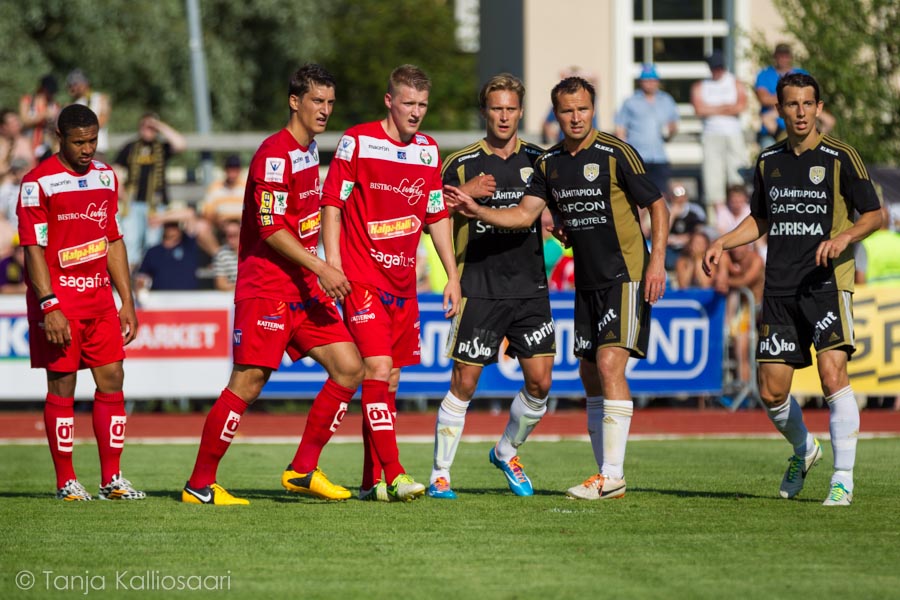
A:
(701, 519)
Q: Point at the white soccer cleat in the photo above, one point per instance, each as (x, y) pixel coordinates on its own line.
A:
(838, 496)
(798, 467)
(597, 487)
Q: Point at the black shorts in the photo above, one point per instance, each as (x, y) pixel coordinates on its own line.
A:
(789, 325)
(615, 316)
(481, 324)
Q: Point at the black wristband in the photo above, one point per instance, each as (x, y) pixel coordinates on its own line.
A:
(45, 298)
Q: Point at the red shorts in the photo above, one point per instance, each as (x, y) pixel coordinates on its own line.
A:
(265, 329)
(95, 342)
(383, 324)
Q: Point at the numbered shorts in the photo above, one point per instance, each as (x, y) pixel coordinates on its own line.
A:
(616, 316)
(265, 329)
(95, 342)
(789, 325)
(383, 324)
(481, 324)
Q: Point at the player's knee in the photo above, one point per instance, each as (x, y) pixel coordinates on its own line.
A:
(538, 387)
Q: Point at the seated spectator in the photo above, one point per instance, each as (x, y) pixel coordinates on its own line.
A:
(224, 199)
(737, 207)
(172, 264)
(225, 261)
(12, 272)
(689, 266)
(15, 147)
(684, 218)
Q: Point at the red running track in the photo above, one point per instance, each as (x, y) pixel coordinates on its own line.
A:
(648, 422)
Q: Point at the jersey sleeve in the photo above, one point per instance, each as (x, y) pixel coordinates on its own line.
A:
(113, 229)
(436, 210)
(271, 187)
(32, 212)
(758, 206)
(856, 185)
(450, 173)
(341, 177)
(537, 184)
(631, 173)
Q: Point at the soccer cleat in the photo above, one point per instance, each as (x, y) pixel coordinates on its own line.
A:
(120, 488)
(72, 492)
(838, 496)
(211, 494)
(404, 488)
(597, 487)
(314, 483)
(440, 488)
(376, 493)
(515, 476)
(798, 467)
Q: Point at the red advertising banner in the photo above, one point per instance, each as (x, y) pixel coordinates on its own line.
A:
(182, 333)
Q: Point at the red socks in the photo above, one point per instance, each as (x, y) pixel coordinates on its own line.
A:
(379, 436)
(323, 420)
(218, 432)
(59, 423)
(109, 429)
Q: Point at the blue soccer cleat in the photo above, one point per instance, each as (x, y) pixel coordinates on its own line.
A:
(515, 475)
(441, 489)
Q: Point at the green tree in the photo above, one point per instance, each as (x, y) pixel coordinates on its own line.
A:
(852, 48)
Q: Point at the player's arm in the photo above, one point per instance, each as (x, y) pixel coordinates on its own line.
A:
(333, 281)
(56, 325)
(867, 223)
(331, 235)
(117, 265)
(515, 217)
(480, 186)
(442, 237)
(655, 277)
(749, 230)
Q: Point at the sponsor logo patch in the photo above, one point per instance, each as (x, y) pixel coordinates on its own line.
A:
(65, 433)
(275, 170)
(345, 148)
(379, 416)
(40, 232)
(230, 428)
(346, 189)
(435, 202)
(310, 225)
(117, 431)
(390, 228)
(86, 252)
(30, 196)
(280, 206)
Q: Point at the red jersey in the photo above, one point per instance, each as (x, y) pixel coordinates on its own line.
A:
(387, 191)
(282, 192)
(73, 216)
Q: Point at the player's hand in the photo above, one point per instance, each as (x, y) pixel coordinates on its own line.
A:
(129, 324)
(559, 232)
(334, 283)
(57, 329)
(480, 186)
(831, 249)
(452, 297)
(712, 256)
(654, 281)
(461, 202)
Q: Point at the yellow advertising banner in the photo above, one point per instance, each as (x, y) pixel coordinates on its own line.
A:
(875, 366)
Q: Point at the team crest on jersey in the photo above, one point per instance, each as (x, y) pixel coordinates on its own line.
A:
(104, 179)
(435, 202)
(275, 169)
(817, 175)
(525, 173)
(591, 171)
(346, 189)
(40, 232)
(30, 195)
(280, 206)
(345, 148)
(425, 157)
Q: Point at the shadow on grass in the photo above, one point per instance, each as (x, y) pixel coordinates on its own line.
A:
(721, 495)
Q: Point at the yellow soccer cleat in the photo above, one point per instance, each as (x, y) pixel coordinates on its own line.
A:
(211, 494)
(314, 483)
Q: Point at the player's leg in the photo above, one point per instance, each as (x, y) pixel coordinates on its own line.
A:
(344, 366)
(448, 428)
(843, 423)
(221, 425)
(59, 424)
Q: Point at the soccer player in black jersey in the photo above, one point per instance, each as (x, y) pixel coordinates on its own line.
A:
(504, 288)
(594, 184)
(806, 191)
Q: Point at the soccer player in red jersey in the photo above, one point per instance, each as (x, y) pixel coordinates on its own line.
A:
(383, 187)
(284, 300)
(73, 251)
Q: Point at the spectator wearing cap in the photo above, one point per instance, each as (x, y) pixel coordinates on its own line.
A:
(224, 199)
(719, 101)
(685, 217)
(38, 114)
(772, 126)
(79, 87)
(647, 120)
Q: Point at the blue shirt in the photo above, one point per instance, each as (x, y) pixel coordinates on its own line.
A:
(644, 122)
(173, 268)
(768, 79)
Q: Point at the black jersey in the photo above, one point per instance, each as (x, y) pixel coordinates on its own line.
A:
(806, 200)
(495, 262)
(597, 192)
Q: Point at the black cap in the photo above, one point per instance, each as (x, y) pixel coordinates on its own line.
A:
(716, 60)
(232, 161)
(782, 49)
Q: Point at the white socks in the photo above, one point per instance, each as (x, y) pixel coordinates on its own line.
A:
(788, 419)
(595, 427)
(843, 425)
(524, 414)
(616, 423)
(447, 433)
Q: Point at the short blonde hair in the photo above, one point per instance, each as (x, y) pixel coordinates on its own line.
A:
(504, 82)
(409, 75)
